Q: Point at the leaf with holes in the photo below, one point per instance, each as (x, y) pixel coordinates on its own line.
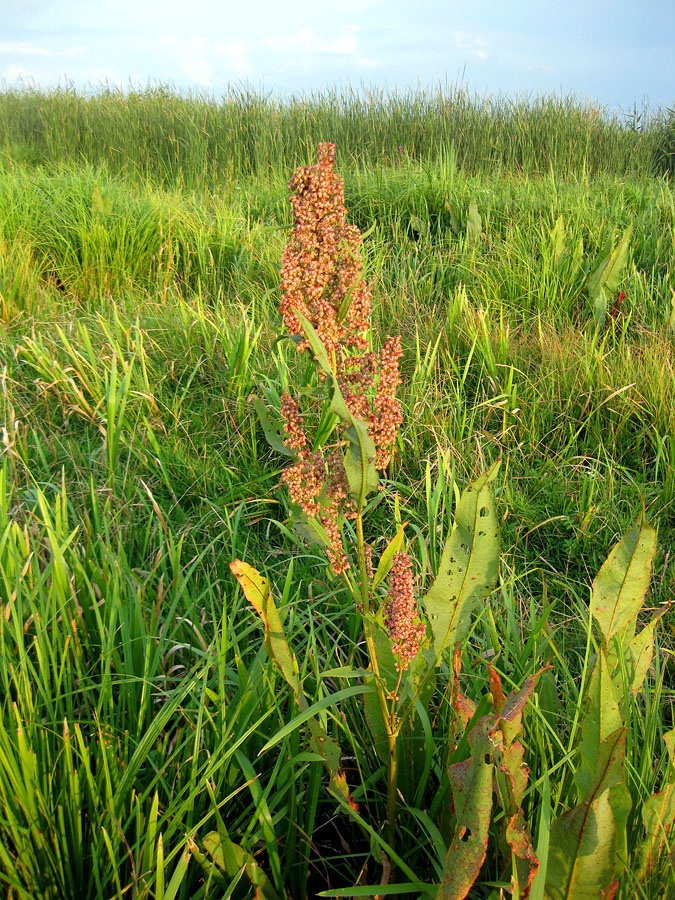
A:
(471, 785)
(469, 565)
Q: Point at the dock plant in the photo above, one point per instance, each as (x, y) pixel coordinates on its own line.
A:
(340, 435)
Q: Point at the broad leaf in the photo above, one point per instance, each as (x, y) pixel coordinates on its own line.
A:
(387, 558)
(602, 718)
(620, 586)
(359, 462)
(658, 816)
(232, 858)
(471, 785)
(474, 223)
(558, 239)
(605, 280)
(257, 591)
(469, 565)
(273, 433)
(519, 840)
(583, 844)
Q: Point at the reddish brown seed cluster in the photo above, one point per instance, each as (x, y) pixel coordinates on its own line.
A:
(321, 279)
(321, 263)
(317, 484)
(400, 612)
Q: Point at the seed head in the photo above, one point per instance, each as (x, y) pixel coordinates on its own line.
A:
(400, 612)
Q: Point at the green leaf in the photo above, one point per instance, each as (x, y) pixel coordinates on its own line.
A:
(273, 433)
(100, 207)
(620, 586)
(471, 785)
(605, 280)
(558, 239)
(257, 591)
(468, 567)
(386, 560)
(382, 890)
(582, 852)
(583, 842)
(232, 858)
(474, 223)
(375, 721)
(359, 462)
(602, 718)
(308, 528)
(658, 816)
(359, 459)
(319, 706)
(640, 652)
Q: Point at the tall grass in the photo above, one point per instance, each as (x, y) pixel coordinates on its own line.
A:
(200, 141)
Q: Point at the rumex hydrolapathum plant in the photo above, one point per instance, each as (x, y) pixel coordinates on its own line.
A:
(353, 405)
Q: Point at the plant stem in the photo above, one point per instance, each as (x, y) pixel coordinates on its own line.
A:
(387, 717)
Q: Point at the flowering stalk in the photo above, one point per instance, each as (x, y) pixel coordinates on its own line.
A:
(326, 306)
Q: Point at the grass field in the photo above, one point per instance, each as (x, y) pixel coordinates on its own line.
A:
(140, 246)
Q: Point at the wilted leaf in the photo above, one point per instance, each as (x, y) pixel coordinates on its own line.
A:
(471, 785)
(257, 591)
(519, 840)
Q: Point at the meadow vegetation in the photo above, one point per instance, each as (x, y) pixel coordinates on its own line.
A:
(150, 746)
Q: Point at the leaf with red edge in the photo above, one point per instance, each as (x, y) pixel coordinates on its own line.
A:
(471, 785)
(526, 861)
(498, 697)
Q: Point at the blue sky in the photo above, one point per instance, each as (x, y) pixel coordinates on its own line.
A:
(613, 52)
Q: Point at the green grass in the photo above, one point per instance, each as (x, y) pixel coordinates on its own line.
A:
(140, 239)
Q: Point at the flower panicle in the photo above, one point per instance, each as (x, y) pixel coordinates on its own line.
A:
(322, 281)
(321, 263)
(406, 631)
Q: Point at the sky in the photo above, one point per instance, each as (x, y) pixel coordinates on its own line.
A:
(616, 53)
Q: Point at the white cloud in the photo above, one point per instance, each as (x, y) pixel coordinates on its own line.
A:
(23, 48)
(473, 44)
(198, 69)
(309, 42)
(234, 53)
